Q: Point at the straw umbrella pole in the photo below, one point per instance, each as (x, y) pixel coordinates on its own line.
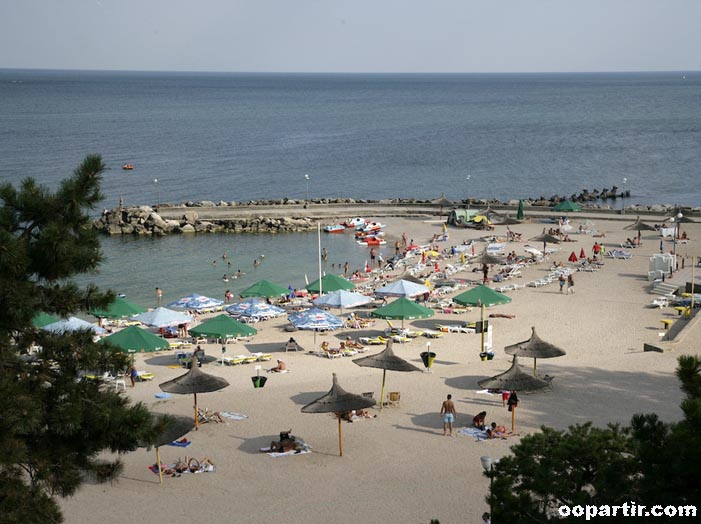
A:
(385, 360)
(337, 401)
(194, 381)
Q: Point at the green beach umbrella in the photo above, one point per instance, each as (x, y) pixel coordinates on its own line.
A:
(118, 309)
(402, 309)
(330, 283)
(519, 213)
(481, 295)
(135, 338)
(263, 288)
(43, 319)
(223, 326)
(566, 206)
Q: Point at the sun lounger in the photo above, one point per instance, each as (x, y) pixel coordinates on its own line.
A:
(455, 328)
(429, 333)
(374, 341)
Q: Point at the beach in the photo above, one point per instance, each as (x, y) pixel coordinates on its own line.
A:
(398, 467)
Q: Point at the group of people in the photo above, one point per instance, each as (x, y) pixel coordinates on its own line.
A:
(448, 414)
(190, 465)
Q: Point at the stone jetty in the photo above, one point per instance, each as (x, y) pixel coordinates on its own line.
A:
(287, 216)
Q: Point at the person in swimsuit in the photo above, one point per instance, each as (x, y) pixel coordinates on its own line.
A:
(448, 414)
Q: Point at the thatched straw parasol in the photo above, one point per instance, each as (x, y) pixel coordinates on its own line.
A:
(442, 201)
(194, 382)
(639, 225)
(535, 348)
(514, 379)
(170, 428)
(545, 239)
(487, 258)
(338, 401)
(386, 360)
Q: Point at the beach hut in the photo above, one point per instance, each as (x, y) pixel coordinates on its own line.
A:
(193, 382)
(460, 217)
(265, 289)
(386, 360)
(119, 308)
(330, 283)
(135, 339)
(338, 401)
(535, 348)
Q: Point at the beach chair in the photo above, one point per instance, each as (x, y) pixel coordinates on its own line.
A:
(332, 353)
(393, 398)
(120, 383)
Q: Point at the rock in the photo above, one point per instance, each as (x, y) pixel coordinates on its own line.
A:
(187, 228)
(190, 217)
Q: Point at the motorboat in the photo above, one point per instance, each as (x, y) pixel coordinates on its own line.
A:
(354, 222)
(127, 167)
(336, 228)
(372, 226)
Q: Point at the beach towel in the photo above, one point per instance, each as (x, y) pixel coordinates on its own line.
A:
(474, 432)
(182, 443)
(163, 395)
(274, 454)
(233, 416)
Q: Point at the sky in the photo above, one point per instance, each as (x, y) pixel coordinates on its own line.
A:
(352, 36)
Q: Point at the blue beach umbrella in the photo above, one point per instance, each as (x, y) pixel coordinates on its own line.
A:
(163, 317)
(254, 308)
(196, 302)
(316, 319)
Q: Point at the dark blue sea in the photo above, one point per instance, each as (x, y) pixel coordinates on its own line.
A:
(254, 136)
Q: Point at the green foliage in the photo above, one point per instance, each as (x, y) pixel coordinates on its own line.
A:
(54, 425)
(649, 463)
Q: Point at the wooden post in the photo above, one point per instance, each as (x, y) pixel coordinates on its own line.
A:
(197, 419)
(340, 436)
(513, 417)
(382, 394)
(158, 461)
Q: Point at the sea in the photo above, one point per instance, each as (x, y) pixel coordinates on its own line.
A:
(241, 137)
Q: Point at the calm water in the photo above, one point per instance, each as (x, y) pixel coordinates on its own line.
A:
(242, 136)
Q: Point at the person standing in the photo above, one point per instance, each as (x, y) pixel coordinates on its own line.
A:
(448, 414)
(570, 284)
(159, 295)
(562, 281)
(486, 518)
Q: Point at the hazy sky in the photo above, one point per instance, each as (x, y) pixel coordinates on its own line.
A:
(352, 35)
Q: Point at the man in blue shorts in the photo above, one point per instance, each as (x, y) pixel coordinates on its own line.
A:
(448, 414)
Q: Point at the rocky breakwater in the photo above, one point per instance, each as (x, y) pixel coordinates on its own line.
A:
(145, 221)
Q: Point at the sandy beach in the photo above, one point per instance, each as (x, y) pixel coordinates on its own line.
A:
(398, 467)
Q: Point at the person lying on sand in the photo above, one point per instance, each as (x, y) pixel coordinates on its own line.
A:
(495, 431)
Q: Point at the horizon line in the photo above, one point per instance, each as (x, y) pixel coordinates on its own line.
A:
(350, 73)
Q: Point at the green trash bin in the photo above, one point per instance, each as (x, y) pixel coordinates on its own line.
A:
(258, 381)
(428, 357)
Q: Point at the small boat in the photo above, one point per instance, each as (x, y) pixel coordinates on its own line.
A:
(354, 222)
(128, 167)
(372, 226)
(334, 229)
(372, 241)
(359, 235)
